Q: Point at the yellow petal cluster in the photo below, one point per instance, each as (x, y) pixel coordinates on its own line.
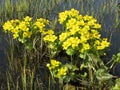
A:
(24, 29)
(41, 23)
(72, 41)
(49, 36)
(85, 47)
(53, 64)
(66, 14)
(19, 28)
(63, 36)
(62, 72)
(102, 45)
(57, 69)
(81, 32)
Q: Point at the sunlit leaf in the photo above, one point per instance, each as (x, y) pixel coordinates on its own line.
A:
(70, 51)
(103, 75)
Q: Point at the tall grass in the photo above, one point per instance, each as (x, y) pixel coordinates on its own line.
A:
(24, 66)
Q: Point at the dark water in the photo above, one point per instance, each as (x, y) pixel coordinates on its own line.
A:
(115, 40)
(3, 55)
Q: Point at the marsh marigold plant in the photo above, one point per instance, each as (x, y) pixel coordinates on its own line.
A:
(64, 72)
(80, 34)
(26, 30)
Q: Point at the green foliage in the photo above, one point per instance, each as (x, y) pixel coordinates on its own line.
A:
(116, 58)
(81, 37)
(26, 31)
(103, 75)
(117, 85)
(64, 73)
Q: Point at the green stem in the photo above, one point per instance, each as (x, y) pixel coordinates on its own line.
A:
(60, 84)
(71, 59)
(90, 74)
(100, 85)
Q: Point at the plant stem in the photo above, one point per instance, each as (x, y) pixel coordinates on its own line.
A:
(71, 57)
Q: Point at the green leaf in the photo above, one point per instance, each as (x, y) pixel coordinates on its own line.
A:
(84, 75)
(83, 66)
(103, 75)
(21, 40)
(81, 56)
(116, 58)
(70, 51)
(71, 67)
(117, 85)
(28, 46)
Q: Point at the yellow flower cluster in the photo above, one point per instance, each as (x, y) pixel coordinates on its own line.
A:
(57, 68)
(41, 23)
(19, 29)
(53, 64)
(62, 72)
(72, 41)
(81, 32)
(24, 29)
(49, 36)
(63, 36)
(63, 16)
(101, 45)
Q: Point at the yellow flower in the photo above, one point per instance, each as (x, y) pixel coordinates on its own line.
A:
(41, 26)
(8, 26)
(87, 18)
(74, 13)
(41, 23)
(95, 34)
(91, 22)
(83, 39)
(81, 22)
(54, 64)
(49, 32)
(65, 45)
(50, 38)
(79, 17)
(68, 43)
(85, 47)
(72, 41)
(63, 16)
(103, 44)
(86, 28)
(68, 13)
(45, 21)
(15, 35)
(27, 34)
(75, 42)
(22, 26)
(74, 29)
(27, 19)
(71, 22)
(97, 26)
(15, 32)
(62, 72)
(63, 36)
